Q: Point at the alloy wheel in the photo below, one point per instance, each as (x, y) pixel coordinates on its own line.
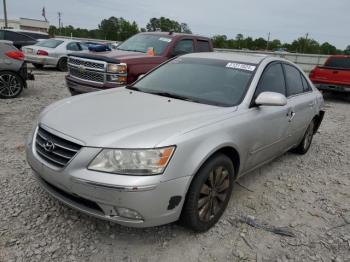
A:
(10, 86)
(213, 193)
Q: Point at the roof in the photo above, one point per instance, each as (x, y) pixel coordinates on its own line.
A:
(235, 57)
(173, 34)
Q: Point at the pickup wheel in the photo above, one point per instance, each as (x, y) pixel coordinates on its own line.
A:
(62, 64)
(11, 84)
(305, 143)
(209, 194)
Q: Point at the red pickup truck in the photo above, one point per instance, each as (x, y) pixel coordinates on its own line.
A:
(334, 75)
(92, 71)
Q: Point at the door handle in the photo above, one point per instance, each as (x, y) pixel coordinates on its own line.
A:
(311, 104)
(291, 116)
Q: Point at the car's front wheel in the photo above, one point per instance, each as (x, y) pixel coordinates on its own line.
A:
(209, 194)
(305, 143)
(11, 84)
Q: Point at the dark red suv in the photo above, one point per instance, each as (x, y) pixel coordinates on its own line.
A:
(92, 71)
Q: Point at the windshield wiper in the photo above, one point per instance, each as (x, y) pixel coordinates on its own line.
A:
(171, 95)
(130, 50)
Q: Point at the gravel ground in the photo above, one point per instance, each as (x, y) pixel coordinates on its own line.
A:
(308, 194)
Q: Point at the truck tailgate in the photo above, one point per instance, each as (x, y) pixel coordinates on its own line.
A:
(325, 75)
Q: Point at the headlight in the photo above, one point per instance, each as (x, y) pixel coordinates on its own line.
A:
(132, 161)
(117, 68)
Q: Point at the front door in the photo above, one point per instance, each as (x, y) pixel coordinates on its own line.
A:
(269, 125)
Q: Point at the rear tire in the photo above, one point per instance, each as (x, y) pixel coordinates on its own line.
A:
(38, 66)
(11, 84)
(305, 143)
(62, 64)
(209, 194)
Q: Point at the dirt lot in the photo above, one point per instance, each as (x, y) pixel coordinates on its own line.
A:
(308, 194)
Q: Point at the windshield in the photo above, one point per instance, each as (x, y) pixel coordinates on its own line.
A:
(208, 81)
(51, 43)
(141, 43)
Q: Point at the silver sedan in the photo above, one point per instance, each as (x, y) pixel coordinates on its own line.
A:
(170, 146)
(52, 52)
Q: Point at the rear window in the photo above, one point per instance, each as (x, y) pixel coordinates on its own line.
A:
(338, 62)
(203, 46)
(2, 35)
(51, 43)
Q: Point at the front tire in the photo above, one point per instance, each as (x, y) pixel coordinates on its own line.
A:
(305, 143)
(209, 194)
(11, 84)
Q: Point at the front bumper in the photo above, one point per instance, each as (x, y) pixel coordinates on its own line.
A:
(77, 86)
(100, 194)
(333, 88)
(41, 60)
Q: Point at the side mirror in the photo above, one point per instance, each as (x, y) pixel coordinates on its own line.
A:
(140, 76)
(271, 99)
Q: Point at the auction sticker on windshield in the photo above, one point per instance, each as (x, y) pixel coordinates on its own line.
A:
(241, 66)
(165, 39)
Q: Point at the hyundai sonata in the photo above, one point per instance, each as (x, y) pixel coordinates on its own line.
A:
(171, 145)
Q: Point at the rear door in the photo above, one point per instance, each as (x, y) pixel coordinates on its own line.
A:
(302, 102)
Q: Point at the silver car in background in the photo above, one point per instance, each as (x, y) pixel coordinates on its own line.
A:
(170, 146)
(52, 52)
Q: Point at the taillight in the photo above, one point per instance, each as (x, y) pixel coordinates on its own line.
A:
(312, 73)
(42, 52)
(18, 55)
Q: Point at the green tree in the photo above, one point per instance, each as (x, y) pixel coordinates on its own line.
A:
(166, 25)
(239, 38)
(118, 29)
(328, 49)
(220, 41)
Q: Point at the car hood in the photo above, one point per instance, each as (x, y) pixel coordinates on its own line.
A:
(112, 56)
(121, 118)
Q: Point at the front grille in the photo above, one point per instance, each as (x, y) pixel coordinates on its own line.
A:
(53, 149)
(89, 64)
(86, 75)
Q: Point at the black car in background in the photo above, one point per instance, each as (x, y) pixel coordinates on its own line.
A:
(21, 38)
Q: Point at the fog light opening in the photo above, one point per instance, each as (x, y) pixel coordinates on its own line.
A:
(128, 213)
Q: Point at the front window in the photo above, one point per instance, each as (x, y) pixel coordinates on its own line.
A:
(208, 81)
(141, 43)
(51, 43)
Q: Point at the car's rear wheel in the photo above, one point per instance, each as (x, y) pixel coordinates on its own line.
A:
(38, 66)
(62, 64)
(209, 194)
(305, 143)
(11, 84)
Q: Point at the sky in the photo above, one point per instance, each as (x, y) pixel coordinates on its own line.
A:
(285, 19)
